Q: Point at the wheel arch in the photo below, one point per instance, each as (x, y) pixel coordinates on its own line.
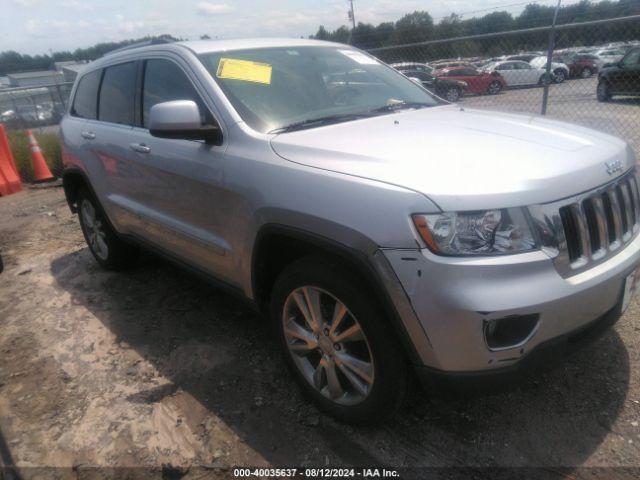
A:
(73, 180)
(276, 246)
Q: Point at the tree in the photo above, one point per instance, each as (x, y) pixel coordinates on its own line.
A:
(205, 37)
(322, 34)
(413, 27)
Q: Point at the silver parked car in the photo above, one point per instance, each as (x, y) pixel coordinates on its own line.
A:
(382, 230)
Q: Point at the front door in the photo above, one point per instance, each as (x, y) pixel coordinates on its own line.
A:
(176, 187)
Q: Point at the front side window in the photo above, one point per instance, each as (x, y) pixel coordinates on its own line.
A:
(275, 88)
(117, 94)
(85, 102)
(165, 81)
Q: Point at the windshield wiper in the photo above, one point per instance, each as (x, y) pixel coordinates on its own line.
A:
(345, 117)
(317, 122)
(400, 106)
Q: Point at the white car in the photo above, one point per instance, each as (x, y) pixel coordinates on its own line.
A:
(559, 70)
(518, 73)
(611, 55)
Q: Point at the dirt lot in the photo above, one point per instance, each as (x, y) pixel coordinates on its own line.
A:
(153, 367)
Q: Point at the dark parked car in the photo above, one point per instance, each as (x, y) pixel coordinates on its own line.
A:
(622, 78)
(478, 82)
(448, 89)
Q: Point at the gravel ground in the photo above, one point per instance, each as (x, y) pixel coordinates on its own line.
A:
(152, 367)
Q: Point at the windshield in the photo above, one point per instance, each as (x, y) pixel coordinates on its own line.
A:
(274, 88)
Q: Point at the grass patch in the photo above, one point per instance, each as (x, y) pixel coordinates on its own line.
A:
(49, 144)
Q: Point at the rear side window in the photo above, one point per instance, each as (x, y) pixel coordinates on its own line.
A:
(164, 81)
(117, 94)
(85, 102)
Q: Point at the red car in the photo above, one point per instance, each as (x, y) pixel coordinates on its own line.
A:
(478, 81)
(580, 65)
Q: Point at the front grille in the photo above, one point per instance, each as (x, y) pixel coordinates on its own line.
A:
(591, 227)
(601, 222)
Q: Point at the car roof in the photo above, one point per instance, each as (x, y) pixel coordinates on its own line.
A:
(208, 46)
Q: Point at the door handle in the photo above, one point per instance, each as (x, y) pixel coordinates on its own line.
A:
(140, 148)
(88, 135)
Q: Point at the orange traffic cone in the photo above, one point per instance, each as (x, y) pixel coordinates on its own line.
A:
(41, 172)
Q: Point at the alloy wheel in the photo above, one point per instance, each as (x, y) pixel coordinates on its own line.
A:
(494, 88)
(96, 236)
(453, 95)
(327, 345)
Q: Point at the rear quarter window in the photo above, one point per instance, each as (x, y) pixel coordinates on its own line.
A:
(85, 102)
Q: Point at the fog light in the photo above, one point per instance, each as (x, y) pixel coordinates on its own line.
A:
(509, 332)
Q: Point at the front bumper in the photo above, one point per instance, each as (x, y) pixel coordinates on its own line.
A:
(454, 297)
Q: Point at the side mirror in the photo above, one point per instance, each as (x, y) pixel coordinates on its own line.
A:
(180, 119)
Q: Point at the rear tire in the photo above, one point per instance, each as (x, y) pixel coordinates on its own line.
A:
(586, 72)
(320, 354)
(109, 251)
(603, 92)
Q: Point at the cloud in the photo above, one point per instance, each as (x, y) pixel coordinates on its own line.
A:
(143, 26)
(25, 3)
(208, 8)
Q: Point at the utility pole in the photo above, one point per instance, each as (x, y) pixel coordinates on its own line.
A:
(552, 46)
(352, 17)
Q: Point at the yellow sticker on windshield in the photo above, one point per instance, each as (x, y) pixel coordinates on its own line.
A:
(244, 70)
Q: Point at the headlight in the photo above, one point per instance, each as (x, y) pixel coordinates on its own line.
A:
(476, 233)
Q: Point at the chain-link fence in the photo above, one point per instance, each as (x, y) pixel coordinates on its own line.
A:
(505, 71)
(30, 107)
(39, 109)
(509, 71)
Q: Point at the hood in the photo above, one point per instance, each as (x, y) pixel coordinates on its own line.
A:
(462, 159)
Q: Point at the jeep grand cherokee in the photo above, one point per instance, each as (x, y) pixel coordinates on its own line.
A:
(380, 228)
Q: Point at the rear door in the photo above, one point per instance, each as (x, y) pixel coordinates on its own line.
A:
(527, 75)
(109, 137)
(75, 134)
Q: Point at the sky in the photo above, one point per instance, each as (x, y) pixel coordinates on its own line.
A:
(40, 26)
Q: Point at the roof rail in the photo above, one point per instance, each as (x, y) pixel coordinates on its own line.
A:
(145, 43)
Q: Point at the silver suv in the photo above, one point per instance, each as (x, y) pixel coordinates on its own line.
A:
(384, 231)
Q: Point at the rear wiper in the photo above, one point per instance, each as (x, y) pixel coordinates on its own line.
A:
(316, 122)
(400, 106)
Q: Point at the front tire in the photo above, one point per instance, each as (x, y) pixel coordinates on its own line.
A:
(559, 76)
(494, 88)
(603, 91)
(103, 242)
(337, 342)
